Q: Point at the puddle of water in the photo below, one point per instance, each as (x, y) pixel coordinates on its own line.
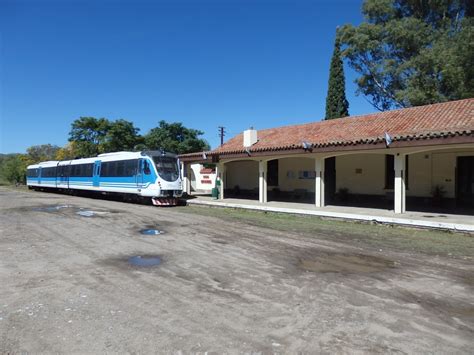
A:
(51, 208)
(89, 213)
(144, 261)
(71, 209)
(85, 213)
(151, 231)
(345, 263)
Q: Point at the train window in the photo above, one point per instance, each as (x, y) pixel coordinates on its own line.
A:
(81, 170)
(119, 168)
(32, 173)
(108, 169)
(104, 169)
(88, 170)
(167, 167)
(63, 170)
(131, 167)
(48, 172)
(146, 167)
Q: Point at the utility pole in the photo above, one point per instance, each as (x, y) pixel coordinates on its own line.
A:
(222, 133)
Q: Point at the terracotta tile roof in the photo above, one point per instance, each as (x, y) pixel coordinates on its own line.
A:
(423, 122)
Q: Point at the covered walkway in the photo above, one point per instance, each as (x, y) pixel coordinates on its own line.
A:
(381, 166)
(455, 222)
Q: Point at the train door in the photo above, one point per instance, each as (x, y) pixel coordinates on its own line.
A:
(96, 174)
(62, 179)
(39, 175)
(139, 176)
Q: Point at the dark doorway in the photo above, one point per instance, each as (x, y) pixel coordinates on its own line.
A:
(465, 182)
(272, 173)
(329, 180)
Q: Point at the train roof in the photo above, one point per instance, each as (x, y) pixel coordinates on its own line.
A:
(103, 157)
(44, 164)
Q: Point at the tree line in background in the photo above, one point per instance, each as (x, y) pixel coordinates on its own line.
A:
(90, 136)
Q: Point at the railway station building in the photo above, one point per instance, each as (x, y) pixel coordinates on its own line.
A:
(419, 158)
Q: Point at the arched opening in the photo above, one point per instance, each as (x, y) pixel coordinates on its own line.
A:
(359, 180)
(291, 180)
(193, 181)
(241, 179)
(441, 180)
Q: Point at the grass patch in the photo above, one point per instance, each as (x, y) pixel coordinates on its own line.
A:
(433, 242)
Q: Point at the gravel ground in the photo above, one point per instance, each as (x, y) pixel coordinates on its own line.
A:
(70, 283)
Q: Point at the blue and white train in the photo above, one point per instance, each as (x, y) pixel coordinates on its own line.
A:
(153, 174)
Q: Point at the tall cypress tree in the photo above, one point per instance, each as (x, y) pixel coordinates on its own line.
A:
(336, 102)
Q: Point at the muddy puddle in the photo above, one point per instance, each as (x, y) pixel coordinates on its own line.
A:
(144, 260)
(345, 263)
(151, 231)
(133, 261)
(73, 210)
(54, 208)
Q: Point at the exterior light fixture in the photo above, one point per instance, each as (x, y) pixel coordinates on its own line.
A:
(388, 139)
(307, 146)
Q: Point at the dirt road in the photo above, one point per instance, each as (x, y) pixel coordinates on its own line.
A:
(70, 283)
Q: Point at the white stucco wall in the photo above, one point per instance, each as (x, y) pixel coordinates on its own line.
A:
(288, 174)
(197, 178)
(444, 168)
(361, 173)
(419, 175)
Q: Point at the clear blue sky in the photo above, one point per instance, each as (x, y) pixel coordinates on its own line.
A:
(235, 63)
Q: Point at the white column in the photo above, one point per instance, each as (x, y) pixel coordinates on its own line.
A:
(222, 178)
(399, 185)
(218, 170)
(262, 181)
(319, 182)
(187, 178)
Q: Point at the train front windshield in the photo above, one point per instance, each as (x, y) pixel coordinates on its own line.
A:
(167, 167)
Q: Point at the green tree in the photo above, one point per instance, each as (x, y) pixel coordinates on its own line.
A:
(43, 152)
(89, 135)
(68, 152)
(336, 102)
(174, 137)
(121, 135)
(412, 52)
(13, 168)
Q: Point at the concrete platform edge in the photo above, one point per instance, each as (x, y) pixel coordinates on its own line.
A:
(349, 216)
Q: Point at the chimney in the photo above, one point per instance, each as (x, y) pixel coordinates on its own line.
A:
(250, 137)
